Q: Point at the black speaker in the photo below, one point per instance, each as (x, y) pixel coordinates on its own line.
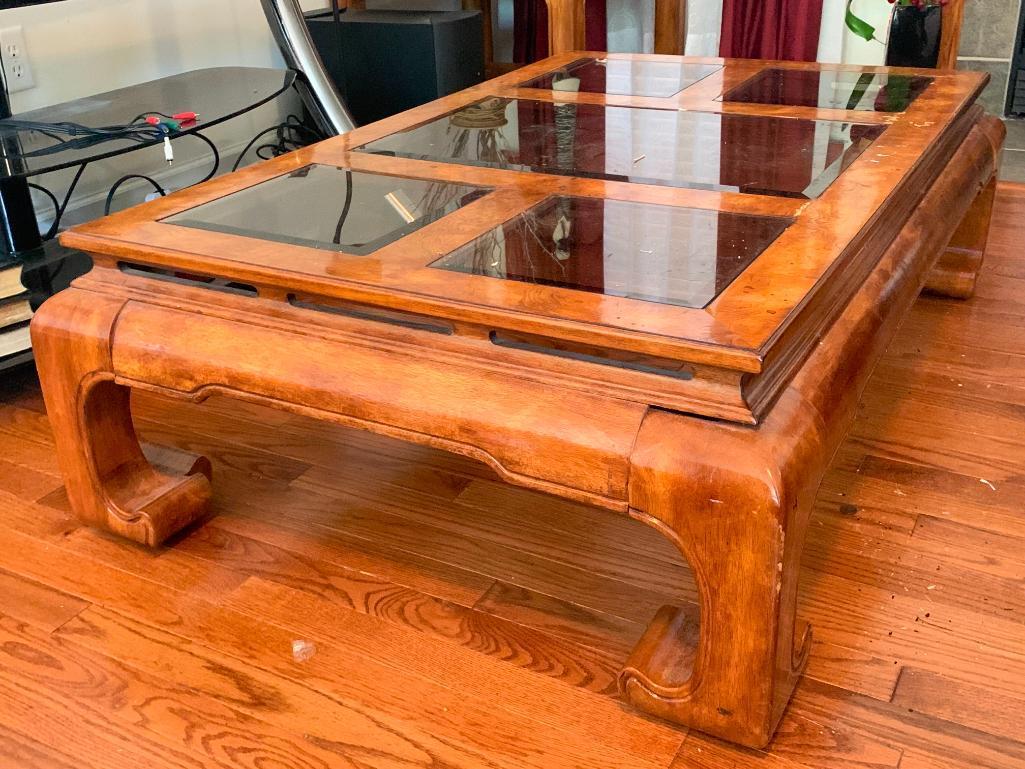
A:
(384, 62)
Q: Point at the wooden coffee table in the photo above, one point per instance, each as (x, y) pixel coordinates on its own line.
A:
(650, 284)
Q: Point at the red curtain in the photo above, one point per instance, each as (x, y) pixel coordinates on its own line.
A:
(530, 29)
(771, 29)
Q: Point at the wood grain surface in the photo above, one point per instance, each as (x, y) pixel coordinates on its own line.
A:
(419, 583)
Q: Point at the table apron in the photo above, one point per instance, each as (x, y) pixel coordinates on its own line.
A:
(567, 442)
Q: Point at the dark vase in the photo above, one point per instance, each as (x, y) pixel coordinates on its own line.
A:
(915, 36)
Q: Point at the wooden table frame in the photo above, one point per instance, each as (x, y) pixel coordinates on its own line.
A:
(726, 465)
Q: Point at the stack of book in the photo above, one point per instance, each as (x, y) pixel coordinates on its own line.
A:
(15, 312)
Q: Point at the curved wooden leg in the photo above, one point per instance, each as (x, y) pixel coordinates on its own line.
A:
(110, 482)
(957, 269)
(729, 509)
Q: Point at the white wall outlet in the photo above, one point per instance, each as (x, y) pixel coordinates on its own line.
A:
(14, 54)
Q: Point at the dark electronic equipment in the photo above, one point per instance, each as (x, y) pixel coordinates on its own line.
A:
(384, 62)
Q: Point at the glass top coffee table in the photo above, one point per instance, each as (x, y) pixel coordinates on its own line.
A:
(652, 284)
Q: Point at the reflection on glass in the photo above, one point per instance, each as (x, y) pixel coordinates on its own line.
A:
(831, 89)
(331, 208)
(625, 77)
(754, 154)
(665, 254)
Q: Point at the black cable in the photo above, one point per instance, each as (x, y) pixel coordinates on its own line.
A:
(122, 180)
(337, 240)
(217, 157)
(156, 185)
(254, 140)
(82, 136)
(291, 135)
(296, 123)
(64, 206)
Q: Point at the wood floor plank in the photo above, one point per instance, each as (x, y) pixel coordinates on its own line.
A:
(802, 742)
(39, 605)
(914, 733)
(31, 455)
(369, 705)
(852, 669)
(319, 563)
(51, 720)
(257, 464)
(701, 752)
(40, 520)
(915, 759)
(26, 424)
(910, 489)
(561, 618)
(924, 691)
(17, 750)
(371, 478)
(914, 573)
(25, 482)
(355, 517)
(976, 550)
(968, 646)
(169, 566)
(250, 647)
(156, 707)
(596, 716)
(448, 620)
(617, 545)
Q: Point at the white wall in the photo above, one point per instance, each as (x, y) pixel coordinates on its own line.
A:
(83, 47)
(838, 44)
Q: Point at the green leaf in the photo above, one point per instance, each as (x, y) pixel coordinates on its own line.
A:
(859, 27)
(859, 90)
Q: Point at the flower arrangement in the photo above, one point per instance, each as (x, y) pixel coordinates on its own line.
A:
(862, 28)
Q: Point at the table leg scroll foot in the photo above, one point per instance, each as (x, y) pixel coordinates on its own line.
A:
(110, 482)
(957, 269)
(728, 667)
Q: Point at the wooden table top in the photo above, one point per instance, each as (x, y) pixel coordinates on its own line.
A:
(713, 212)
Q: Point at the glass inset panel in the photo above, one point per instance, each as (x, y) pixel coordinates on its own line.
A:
(664, 254)
(831, 89)
(625, 77)
(745, 153)
(331, 208)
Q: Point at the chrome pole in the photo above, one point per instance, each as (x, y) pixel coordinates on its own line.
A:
(314, 84)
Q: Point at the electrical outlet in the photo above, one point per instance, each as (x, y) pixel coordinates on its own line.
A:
(14, 54)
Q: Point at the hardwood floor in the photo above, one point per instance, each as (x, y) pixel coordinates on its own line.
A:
(357, 602)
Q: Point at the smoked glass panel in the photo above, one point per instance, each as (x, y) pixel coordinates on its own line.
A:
(831, 89)
(331, 208)
(625, 77)
(752, 154)
(664, 254)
